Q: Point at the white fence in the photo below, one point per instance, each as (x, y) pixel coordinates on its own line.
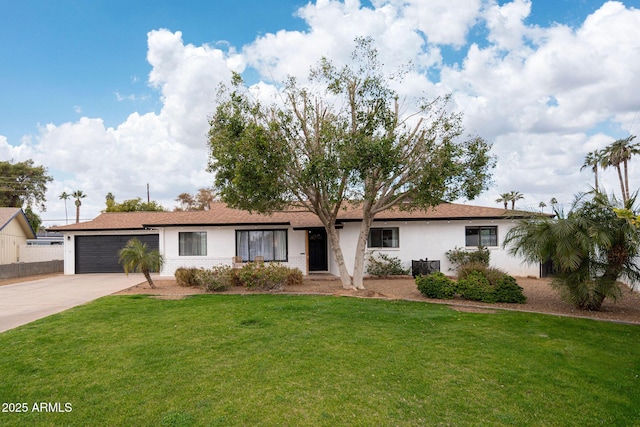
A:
(39, 253)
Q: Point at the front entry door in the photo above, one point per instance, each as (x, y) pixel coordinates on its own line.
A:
(318, 250)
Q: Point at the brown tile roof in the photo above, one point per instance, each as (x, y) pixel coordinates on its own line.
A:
(220, 214)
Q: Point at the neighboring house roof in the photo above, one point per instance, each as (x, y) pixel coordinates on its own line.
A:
(8, 214)
(220, 214)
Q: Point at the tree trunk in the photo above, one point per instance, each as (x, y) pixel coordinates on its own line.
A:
(147, 276)
(345, 278)
(358, 265)
(626, 182)
(595, 171)
(77, 213)
(621, 183)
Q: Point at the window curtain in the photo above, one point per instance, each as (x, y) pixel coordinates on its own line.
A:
(271, 244)
(280, 245)
(242, 245)
(192, 243)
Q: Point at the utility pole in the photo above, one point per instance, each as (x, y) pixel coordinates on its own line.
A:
(148, 198)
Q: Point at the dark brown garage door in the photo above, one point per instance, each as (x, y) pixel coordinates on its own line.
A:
(99, 254)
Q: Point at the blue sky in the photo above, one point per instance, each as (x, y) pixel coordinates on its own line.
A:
(77, 73)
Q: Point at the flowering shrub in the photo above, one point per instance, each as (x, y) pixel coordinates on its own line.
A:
(272, 277)
(212, 280)
(186, 276)
(217, 279)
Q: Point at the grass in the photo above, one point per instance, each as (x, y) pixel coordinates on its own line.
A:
(304, 360)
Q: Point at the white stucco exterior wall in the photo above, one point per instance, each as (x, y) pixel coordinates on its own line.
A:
(221, 247)
(431, 240)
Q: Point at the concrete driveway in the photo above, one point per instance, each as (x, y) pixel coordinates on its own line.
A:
(21, 303)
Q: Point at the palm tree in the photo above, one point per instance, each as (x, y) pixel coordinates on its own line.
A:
(542, 205)
(65, 196)
(514, 196)
(78, 194)
(591, 247)
(592, 160)
(619, 153)
(504, 198)
(136, 257)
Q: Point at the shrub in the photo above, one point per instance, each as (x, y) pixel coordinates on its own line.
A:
(294, 277)
(186, 277)
(271, 277)
(436, 285)
(476, 287)
(502, 287)
(507, 290)
(492, 274)
(217, 279)
(385, 266)
(460, 257)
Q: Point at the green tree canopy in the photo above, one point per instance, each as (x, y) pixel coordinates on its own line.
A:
(22, 184)
(344, 138)
(131, 205)
(34, 219)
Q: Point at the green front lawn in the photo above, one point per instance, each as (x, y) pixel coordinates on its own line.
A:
(306, 360)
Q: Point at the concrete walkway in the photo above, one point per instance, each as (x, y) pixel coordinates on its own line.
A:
(21, 303)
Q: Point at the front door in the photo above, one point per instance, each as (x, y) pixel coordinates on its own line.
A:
(318, 250)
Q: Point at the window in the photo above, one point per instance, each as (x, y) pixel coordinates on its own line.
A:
(481, 236)
(271, 244)
(383, 238)
(192, 243)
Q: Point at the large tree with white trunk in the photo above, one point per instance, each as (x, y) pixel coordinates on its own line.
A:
(343, 138)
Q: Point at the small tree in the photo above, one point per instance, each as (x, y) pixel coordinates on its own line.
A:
(137, 258)
(591, 248)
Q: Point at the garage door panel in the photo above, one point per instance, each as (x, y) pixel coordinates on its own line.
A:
(99, 254)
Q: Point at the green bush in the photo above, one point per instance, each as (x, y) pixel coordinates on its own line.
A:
(507, 290)
(270, 277)
(385, 266)
(460, 257)
(492, 274)
(502, 287)
(436, 285)
(186, 276)
(476, 287)
(217, 279)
